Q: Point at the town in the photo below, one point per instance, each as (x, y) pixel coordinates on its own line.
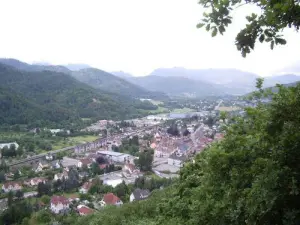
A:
(134, 158)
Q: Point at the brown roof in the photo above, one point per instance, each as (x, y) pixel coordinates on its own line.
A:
(85, 210)
(110, 199)
(86, 161)
(59, 200)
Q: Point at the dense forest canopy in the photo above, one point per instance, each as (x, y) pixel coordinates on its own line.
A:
(49, 97)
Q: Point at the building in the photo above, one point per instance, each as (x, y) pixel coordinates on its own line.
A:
(112, 182)
(84, 210)
(129, 169)
(11, 186)
(116, 156)
(85, 162)
(85, 187)
(35, 181)
(59, 204)
(8, 145)
(139, 194)
(42, 165)
(67, 162)
(177, 159)
(110, 199)
(61, 176)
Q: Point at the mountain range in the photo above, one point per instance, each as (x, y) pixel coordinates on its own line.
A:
(32, 95)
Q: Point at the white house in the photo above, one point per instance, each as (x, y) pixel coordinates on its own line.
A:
(2, 145)
(177, 159)
(36, 181)
(139, 194)
(112, 182)
(85, 187)
(59, 204)
(116, 156)
(61, 176)
(11, 186)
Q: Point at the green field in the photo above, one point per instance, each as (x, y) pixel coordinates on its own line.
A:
(74, 141)
(184, 110)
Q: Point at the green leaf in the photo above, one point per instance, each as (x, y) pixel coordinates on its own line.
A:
(200, 25)
(214, 32)
(269, 39)
(280, 41)
(262, 38)
(221, 29)
(272, 45)
(207, 27)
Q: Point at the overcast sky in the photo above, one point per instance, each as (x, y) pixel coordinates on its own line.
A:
(136, 36)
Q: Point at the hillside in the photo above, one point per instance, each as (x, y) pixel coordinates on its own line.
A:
(64, 96)
(251, 177)
(105, 81)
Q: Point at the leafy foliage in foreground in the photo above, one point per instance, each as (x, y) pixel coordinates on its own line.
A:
(266, 27)
(251, 177)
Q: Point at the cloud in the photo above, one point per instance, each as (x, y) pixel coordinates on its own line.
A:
(136, 36)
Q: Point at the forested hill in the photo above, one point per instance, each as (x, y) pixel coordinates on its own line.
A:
(96, 78)
(106, 81)
(57, 97)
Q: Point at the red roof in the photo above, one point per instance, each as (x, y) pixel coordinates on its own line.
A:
(14, 184)
(86, 161)
(102, 166)
(110, 199)
(85, 210)
(59, 200)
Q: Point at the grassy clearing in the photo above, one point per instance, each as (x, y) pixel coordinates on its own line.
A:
(228, 108)
(183, 110)
(74, 141)
(155, 102)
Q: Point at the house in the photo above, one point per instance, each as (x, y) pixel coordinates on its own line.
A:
(177, 159)
(129, 169)
(82, 175)
(139, 194)
(55, 164)
(41, 166)
(85, 163)
(35, 181)
(84, 210)
(85, 187)
(59, 204)
(112, 182)
(116, 156)
(8, 145)
(67, 162)
(61, 176)
(110, 199)
(11, 186)
(49, 157)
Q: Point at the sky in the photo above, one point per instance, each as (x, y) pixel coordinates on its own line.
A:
(135, 36)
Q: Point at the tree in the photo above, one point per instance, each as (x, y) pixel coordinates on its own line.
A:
(16, 174)
(267, 27)
(2, 176)
(144, 162)
(45, 199)
(19, 194)
(10, 198)
(43, 189)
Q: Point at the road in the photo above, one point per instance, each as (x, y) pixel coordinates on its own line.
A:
(39, 156)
